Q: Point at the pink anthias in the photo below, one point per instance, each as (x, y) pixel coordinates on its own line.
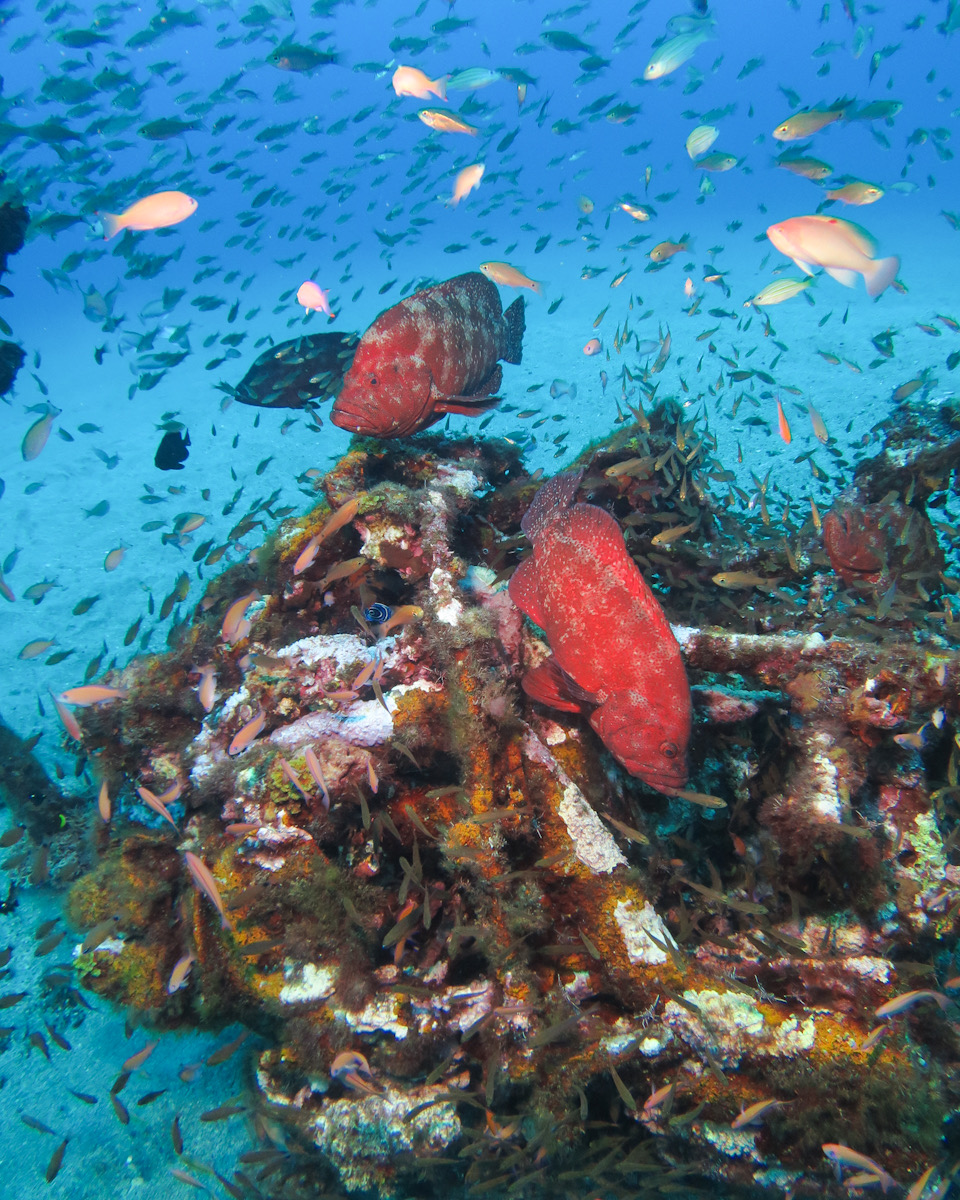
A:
(313, 298)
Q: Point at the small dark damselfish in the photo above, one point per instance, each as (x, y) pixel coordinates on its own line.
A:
(173, 451)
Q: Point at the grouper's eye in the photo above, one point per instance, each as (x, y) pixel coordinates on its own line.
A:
(669, 749)
(373, 381)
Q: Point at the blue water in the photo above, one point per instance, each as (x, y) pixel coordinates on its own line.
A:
(310, 204)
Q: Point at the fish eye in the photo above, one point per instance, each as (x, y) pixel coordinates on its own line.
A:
(669, 749)
(373, 381)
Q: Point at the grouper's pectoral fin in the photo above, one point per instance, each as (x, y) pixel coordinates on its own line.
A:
(548, 685)
(465, 406)
(478, 402)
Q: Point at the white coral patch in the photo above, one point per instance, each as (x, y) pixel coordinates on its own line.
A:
(462, 481)
(471, 1004)
(654, 1044)
(825, 796)
(732, 1143)
(794, 1036)
(276, 836)
(380, 1015)
(448, 607)
(618, 1044)
(468, 1004)
(362, 723)
(343, 649)
(553, 734)
(363, 1137)
(112, 945)
(233, 701)
(266, 862)
(449, 613)
(727, 1024)
(593, 843)
(306, 983)
(636, 925)
(877, 969)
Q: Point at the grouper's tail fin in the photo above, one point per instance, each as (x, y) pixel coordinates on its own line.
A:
(555, 495)
(515, 323)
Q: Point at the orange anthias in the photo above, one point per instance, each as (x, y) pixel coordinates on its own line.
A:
(612, 645)
(783, 424)
(436, 352)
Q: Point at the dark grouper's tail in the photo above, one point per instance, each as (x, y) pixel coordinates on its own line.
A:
(555, 495)
(514, 323)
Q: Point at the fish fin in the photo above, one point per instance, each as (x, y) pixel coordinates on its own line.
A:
(492, 382)
(548, 685)
(514, 323)
(804, 266)
(464, 406)
(556, 494)
(111, 224)
(470, 402)
(843, 275)
(882, 272)
(524, 591)
(469, 405)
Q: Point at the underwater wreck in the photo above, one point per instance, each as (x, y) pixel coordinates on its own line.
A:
(478, 955)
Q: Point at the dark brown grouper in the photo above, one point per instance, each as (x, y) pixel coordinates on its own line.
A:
(293, 374)
(436, 352)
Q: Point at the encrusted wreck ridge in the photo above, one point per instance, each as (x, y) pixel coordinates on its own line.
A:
(467, 937)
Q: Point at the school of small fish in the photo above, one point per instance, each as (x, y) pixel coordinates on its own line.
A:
(134, 124)
(411, 196)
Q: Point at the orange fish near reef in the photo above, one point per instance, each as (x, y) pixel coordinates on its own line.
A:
(204, 882)
(436, 352)
(92, 693)
(612, 646)
(235, 625)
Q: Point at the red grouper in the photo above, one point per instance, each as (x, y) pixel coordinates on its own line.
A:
(612, 645)
(434, 353)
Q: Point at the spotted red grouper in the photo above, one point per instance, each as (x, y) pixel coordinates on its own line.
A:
(434, 353)
(612, 645)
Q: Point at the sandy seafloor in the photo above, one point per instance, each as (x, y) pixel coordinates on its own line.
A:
(57, 542)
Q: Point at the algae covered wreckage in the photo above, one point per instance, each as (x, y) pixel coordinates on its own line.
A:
(476, 953)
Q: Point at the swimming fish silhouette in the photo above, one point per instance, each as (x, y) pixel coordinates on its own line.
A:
(173, 450)
(612, 645)
(436, 352)
(299, 373)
